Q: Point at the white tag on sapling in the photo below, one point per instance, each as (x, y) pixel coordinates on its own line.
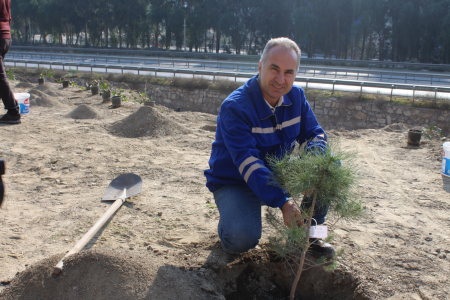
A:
(318, 232)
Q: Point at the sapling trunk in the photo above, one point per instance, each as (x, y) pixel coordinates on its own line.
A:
(304, 250)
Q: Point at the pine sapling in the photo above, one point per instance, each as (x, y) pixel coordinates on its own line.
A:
(329, 179)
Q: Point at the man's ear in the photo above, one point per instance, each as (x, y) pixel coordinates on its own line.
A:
(259, 68)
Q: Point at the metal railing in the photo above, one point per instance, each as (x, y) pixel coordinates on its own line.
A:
(214, 74)
(240, 66)
(308, 61)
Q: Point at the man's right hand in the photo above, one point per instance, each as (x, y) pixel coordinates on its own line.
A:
(291, 214)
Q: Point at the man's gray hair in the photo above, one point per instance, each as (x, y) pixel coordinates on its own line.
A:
(284, 42)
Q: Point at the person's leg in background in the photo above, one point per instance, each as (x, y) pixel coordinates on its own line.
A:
(10, 103)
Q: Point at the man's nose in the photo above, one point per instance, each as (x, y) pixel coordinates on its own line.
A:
(280, 78)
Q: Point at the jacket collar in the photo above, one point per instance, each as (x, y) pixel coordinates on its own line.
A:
(259, 102)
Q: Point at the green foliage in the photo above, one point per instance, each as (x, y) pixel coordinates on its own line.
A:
(392, 29)
(332, 183)
(104, 86)
(72, 72)
(225, 86)
(139, 97)
(46, 73)
(332, 178)
(10, 74)
(434, 132)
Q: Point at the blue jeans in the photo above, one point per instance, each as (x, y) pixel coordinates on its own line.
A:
(240, 224)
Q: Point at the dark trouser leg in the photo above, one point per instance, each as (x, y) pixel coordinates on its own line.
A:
(320, 212)
(5, 90)
(240, 218)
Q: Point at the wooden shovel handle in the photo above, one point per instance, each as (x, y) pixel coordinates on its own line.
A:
(88, 236)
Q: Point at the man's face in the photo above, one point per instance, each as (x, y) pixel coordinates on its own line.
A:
(277, 76)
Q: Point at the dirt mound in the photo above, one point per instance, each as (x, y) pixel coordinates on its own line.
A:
(44, 102)
(396, 127)
(108, 274)
(44, 93)
(146, 121)
(52, 93)
(36, 93)
(24, 85)
(41, 87)
(84, 112)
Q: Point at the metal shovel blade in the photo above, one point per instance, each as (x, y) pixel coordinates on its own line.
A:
(132, 184)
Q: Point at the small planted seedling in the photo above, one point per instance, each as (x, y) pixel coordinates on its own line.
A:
(329, 179)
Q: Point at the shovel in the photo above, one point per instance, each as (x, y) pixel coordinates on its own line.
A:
(124, 186)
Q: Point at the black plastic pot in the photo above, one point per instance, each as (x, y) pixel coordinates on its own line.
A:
(65, 83)
(106, 96)
(414, 136)
(94, 90)
(116, 101)
(149, 103)
(41, 81)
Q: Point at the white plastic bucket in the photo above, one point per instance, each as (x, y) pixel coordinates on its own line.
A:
(446, 159)
(24, 102)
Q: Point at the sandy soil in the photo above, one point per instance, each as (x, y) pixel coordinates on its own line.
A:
(59, 165)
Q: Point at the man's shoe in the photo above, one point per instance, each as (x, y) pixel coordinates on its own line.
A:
(10, 119)
(319, 248)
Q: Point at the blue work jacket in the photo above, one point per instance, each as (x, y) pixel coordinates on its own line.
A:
(247, 131)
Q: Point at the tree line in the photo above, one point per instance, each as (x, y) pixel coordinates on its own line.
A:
(398, 30)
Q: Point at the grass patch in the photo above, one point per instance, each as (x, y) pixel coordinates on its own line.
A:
(225, 86)
(196, 83)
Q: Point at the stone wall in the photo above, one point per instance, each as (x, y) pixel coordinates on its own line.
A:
(332, 113)
(207, 101)
(338, 114)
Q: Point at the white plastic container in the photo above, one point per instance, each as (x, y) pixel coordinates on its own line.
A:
(446, 159)
(24, 102)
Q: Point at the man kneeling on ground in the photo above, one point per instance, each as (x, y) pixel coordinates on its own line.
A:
(267, 115)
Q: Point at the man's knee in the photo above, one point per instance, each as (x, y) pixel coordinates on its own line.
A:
(239, 241)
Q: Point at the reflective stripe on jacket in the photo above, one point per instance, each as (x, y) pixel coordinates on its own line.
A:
(247, 131)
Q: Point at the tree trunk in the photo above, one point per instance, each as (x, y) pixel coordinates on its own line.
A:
(331, 44)
(85, 35)
(250, 42)
(381, 47)
(206, 50)
(346, 47)
(218, 41)
(352, 45)
(120, 38)
(107, 35)
(363, 44)
(156, 35)
(148, 38)
(338, 52)
(369, 48)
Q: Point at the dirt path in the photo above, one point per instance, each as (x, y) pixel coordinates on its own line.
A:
(401, 247)
(59, 167)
